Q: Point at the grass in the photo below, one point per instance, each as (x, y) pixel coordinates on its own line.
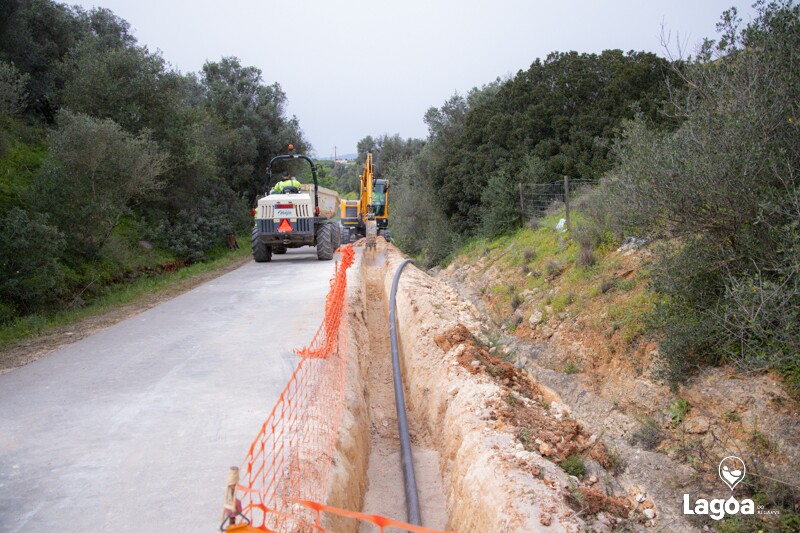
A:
(114, 296)
(544, 259)
(649, 434)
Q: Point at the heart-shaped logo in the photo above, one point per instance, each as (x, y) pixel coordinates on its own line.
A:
(732, 471)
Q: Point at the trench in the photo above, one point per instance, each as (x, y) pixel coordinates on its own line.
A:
(470, 477)
(385, 491)
(366, 473)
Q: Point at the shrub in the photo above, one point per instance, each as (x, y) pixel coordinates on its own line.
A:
(192, 232)
(678, 411)
(723, 190)
(30, 272)
(93, 172)
(573, 465)
(500, 206)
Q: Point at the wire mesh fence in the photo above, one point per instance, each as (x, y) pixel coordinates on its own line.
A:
(537, 199)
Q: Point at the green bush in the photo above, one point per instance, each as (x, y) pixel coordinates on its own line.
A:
(30, 273)
(722, 191)
(573, 465)
(500, 200)
(195, 230)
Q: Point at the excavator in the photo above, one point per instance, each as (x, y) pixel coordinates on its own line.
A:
(368, 215)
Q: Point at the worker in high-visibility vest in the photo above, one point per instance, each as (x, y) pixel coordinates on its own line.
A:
(286, 181)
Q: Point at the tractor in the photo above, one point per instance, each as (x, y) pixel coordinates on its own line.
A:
(295, 217)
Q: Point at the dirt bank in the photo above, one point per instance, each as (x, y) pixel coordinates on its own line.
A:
(594, 359)
(499, 437)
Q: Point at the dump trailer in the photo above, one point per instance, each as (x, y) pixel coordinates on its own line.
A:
(304, 216)
(368, 215)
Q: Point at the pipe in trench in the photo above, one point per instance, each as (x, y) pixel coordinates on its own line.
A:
(412, 498)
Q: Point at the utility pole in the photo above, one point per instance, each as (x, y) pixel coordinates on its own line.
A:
(334, 154)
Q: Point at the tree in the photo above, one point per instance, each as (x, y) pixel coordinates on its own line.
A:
(94, 171)
(724, 188)
(13, 95)
(30, 273)
(253, 114)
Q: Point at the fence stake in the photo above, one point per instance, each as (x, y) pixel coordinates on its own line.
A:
(521, 204)
(566, 199)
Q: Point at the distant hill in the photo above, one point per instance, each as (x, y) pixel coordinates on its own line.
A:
(329, 157)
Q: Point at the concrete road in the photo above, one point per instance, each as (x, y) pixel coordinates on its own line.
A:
(134, 428)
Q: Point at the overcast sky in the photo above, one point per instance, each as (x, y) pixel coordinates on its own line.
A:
(352, 68)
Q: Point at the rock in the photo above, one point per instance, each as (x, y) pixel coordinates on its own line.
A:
(545, 519)
(545, 449)
(593, 479)
(547, 332)
(535, 318)
(520, 446)
(523, 361)
(648, 504)
(475, 363)
(146, 245)
(696, 424)
(649, 513)
(640, 497)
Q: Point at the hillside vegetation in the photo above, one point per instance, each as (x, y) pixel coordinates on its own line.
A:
(113, 165)
(697, 155)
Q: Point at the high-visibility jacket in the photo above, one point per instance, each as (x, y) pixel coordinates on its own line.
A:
(289, 182)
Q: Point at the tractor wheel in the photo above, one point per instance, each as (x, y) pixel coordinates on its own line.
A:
(387, 235)
(337, 236)
(325, 242)
(261, 252)
(279, 249)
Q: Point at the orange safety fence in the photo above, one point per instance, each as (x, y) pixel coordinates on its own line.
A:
(287, 465)
(291, 456)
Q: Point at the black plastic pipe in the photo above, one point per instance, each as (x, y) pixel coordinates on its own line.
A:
(412, 499)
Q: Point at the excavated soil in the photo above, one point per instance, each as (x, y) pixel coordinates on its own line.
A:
(496, 437)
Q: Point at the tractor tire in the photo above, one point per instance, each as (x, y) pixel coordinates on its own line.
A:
(261, 252)
(279, 249)
(337, 236)
(386, 235)
(325, 241)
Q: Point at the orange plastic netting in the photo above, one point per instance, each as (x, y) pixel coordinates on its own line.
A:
(291, 456)
(286, 469)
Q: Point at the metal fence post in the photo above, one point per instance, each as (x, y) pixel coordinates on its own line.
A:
(566, 199)
(521, 205)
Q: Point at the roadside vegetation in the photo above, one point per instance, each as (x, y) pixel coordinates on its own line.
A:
(114, 166)
(697, 155)
(170, 277)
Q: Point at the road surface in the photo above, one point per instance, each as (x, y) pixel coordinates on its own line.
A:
(134, 428)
